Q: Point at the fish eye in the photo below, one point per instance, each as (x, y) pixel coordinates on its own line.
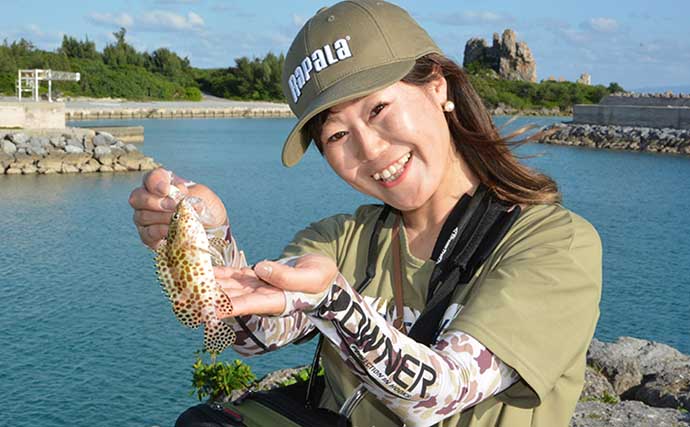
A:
(176, 216)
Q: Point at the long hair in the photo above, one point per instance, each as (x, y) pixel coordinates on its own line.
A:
(475, 137)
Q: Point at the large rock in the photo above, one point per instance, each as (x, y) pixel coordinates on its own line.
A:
(76, 159)
(73, 149)
(651, 372)
(22, 160)
(103, 138)
(5, 161)
(509, 58)
(8, 147)
(597, 387)
(19, 138)
(626, 414)
(51, 163)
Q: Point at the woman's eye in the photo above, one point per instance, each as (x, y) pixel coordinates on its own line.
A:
(336, 136)
(375, 112)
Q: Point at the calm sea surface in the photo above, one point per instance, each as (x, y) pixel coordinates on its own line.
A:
(88, 339)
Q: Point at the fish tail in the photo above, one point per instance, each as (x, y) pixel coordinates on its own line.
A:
(218, 336)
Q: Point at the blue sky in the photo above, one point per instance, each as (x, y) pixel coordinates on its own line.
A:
(636, 43)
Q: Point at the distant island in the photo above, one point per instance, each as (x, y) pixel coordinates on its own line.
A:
(120, 71)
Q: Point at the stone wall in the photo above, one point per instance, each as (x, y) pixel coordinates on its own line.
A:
(633, 115)
(650, 100)
(630, 138)
(176, 113)
(71, 150)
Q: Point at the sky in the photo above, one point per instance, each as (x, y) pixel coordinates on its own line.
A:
(638, 44)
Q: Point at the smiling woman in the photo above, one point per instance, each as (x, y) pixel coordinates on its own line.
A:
(448, 304)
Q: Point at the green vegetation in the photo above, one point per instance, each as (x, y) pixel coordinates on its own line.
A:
(120, 71)
(217, 379)
(522, 95)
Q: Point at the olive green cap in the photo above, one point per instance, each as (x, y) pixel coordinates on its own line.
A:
(344, 52)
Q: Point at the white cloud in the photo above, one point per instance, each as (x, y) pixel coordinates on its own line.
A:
(154, 20)
(298, 20)
(120, 19)
(161, 20)
(603, 25)
(473, 18)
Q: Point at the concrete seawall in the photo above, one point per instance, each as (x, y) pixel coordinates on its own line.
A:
(633, 115)
(72, 114)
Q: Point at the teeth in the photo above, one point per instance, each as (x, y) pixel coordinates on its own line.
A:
(393, 171)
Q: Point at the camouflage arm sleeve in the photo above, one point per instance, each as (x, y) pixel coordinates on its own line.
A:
(420, 384)
(256, 334)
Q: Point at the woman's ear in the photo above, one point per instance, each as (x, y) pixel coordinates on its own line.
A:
(438, 89)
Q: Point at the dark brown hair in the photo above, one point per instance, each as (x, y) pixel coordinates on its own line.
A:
(476, 137)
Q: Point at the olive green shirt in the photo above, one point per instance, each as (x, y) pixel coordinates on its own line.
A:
(534, 303)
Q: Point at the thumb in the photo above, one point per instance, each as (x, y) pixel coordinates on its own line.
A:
(303, 278)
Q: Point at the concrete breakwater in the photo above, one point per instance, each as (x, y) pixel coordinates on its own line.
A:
(69, 150)
(74, 114)
(632, 138)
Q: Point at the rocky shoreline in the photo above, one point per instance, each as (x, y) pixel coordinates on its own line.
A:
(628, 383)
(631, 138)
(70, 150)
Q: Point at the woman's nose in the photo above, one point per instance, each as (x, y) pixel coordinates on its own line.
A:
(369, 144)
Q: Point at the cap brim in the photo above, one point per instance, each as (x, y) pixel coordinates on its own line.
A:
(351, 87)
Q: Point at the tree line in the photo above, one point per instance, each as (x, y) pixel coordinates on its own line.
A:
(120, 71)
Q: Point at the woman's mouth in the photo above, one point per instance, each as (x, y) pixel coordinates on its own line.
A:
(392, 173)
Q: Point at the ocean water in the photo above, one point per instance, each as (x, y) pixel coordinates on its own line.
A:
(87, 338)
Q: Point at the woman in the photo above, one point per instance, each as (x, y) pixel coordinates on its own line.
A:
(398, 121)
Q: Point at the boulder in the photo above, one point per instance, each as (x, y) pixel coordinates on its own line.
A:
(626, 414)
(651, 372)
(50, 162)
(104, 168)
(119, 168)
(69, 168)
(76, 159)
(22, 160)
(91, 166)
(73, 149)
(5, 161)
(76, 142)
(58, 141)
(19, 138)
(130, 148)
(13, 171)
(29, 170)
(148, 164)
(597, 387)
(8, 147)
(103, 138)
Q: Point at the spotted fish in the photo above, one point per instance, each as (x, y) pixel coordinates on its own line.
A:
(184, 265)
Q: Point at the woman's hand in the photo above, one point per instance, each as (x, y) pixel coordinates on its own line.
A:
(153, 207)
(261, 291)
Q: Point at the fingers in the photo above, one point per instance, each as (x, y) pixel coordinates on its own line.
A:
(311, 274)
(141, 198)
(152, 234)
(145, 218)
(158, 182)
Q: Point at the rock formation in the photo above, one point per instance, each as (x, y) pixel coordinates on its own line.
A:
(512, 60)
(69, 151)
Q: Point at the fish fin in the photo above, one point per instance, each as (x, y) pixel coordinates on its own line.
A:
(188, 316)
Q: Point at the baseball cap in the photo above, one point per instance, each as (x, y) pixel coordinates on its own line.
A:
(344, 52)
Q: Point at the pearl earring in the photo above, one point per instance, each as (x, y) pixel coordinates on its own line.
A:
(448, 106)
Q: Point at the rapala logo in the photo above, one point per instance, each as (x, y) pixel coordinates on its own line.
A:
(319, 60)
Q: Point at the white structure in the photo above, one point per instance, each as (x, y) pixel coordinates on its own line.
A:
(29, 80)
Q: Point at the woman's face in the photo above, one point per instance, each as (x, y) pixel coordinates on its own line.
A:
(394, 144)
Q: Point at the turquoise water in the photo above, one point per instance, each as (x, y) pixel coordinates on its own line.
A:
(88, 339)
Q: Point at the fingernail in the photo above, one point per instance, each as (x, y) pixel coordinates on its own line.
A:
(168, 204)
(265, 269)
(161, 188)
